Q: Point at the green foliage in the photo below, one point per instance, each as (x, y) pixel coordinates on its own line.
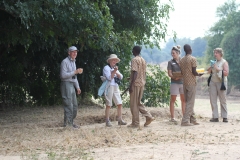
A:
(230, 43)
(148, 17)
(213, 42)
(157, 92)
(35, 36)
(225, 34)
(227, 8)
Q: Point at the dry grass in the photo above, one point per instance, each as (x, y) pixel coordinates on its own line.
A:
(39, 131)
(36, 133)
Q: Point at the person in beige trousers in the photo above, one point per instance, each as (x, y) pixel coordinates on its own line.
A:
(137, 82)
(220, 66)
(188, 65)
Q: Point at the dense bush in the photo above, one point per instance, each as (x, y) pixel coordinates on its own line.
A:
(156, 92)
(157, 87)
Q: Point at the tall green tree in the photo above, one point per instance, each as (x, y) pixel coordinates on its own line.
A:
(36, 34)
(225, 34)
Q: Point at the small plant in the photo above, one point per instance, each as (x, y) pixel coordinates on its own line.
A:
(157, 86)
(51, 155)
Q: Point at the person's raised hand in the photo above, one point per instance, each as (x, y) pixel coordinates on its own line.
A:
(115, 68)
(78, 71)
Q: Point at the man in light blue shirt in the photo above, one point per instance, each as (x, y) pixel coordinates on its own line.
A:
(69, 83)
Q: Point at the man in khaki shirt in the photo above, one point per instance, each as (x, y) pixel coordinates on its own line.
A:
(188, 66)
(137, 82)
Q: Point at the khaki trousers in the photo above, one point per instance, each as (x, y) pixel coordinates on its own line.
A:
(189, 95)
(136, 106)
(215, 92)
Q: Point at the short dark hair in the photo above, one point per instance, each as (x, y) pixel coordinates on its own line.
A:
(187, 48)
(137, 49)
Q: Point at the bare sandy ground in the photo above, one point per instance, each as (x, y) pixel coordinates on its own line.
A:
(206, 141)
(219, 141)
(37, 134)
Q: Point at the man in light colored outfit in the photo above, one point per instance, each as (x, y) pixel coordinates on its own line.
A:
(137, 82)
(188, 66)
(221, 65)
(69, 83)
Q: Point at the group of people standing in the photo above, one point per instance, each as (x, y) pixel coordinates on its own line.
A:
(110, 88)
(185, 85)
(136, 87)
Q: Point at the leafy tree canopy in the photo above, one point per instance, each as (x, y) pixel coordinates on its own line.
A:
(225, 34)
(36, 34)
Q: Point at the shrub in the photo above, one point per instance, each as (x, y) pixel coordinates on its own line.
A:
(156, 91)
(157, 86)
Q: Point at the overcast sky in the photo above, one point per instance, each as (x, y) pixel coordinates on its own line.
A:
(192, 18)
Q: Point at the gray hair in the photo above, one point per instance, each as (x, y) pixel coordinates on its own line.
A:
(219, 50)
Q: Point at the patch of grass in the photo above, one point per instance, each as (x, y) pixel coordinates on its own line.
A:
(37, 134)
(58, 155)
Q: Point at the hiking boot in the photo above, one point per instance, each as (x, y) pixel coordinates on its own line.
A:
(133, 126)
(108, 124)
(121, 122)
(148, 120)
(225, 120)
(214, 120)
(187, 124)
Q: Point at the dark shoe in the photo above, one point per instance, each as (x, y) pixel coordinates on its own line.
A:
(75, 126)
(187, 124)
(214, 120)
(225, 120)
(121, 122)
(148, 120)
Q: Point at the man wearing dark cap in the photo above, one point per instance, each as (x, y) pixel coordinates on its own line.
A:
(188, 66)
(69, 83)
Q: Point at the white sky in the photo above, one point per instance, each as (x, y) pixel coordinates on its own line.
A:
(193, 18)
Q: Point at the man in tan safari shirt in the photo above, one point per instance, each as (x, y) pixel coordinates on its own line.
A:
(137, 82)
(188, 66)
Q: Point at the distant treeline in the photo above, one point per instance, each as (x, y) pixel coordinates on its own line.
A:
(156, 56)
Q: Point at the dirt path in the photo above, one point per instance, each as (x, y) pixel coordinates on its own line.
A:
(208, 141)
(37, 134)
(219, 141)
